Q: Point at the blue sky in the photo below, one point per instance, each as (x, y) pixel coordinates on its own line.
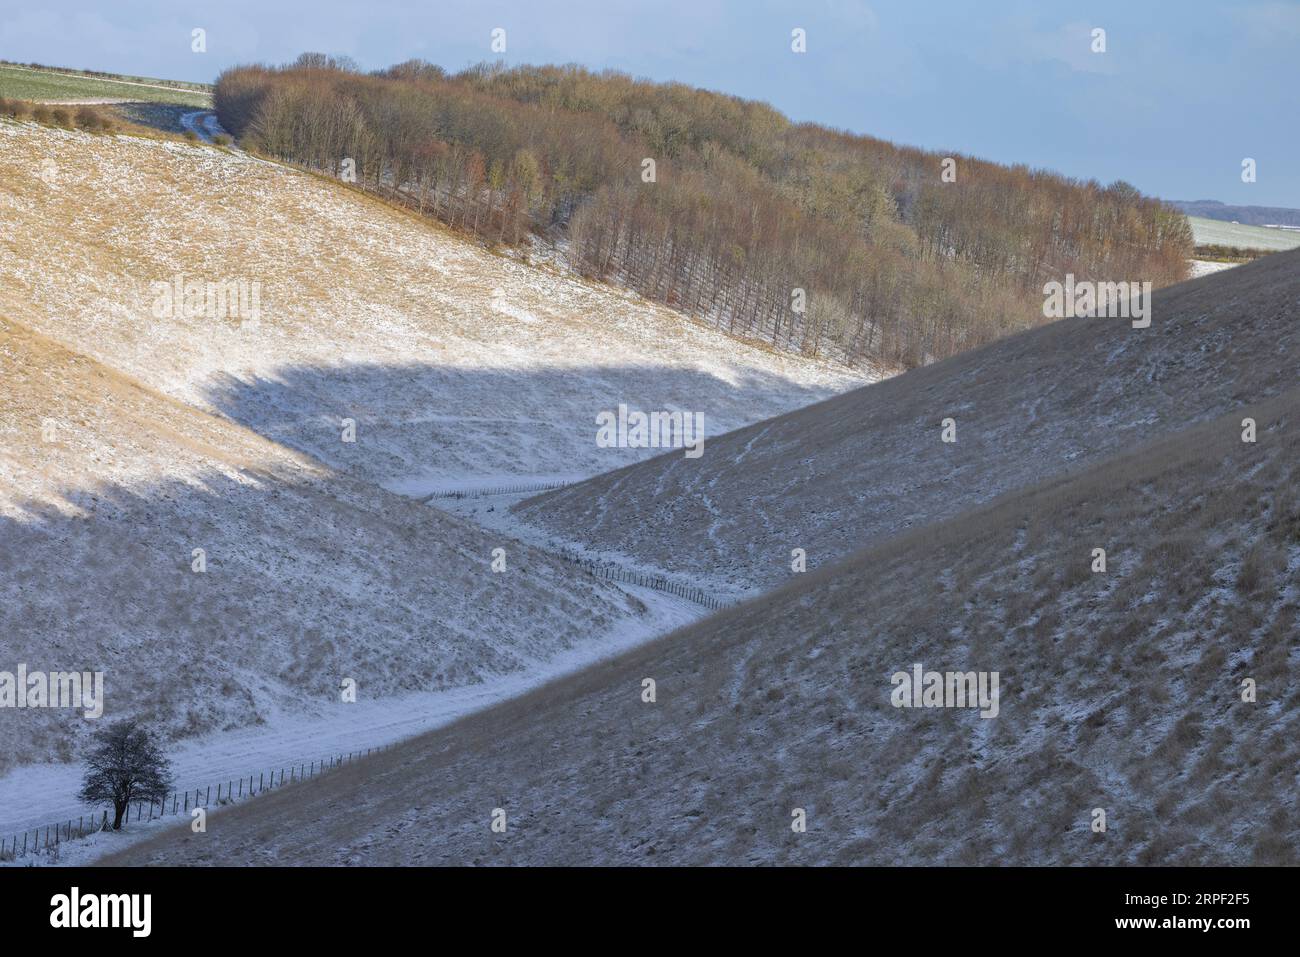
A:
(1184, 91)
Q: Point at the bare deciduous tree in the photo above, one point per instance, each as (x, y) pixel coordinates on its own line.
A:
(124, 765)
(899, 263)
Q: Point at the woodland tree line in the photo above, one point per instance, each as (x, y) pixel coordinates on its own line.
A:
(896, 263)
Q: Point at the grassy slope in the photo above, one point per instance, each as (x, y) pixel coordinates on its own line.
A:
(24, 83)
(870, 464)
(1217, 233)
(1118, 690)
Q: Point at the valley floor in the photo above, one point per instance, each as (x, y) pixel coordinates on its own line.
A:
(463, 371)
(34, 796)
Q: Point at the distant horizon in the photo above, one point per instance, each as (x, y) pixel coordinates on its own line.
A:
(1016, 85)
(1207, 199)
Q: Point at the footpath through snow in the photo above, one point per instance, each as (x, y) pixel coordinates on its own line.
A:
(37, 795)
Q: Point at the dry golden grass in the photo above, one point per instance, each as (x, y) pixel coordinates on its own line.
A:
(457, 364)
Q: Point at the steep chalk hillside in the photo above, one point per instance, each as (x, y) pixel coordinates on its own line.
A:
(864, 466)
(459, 367)
(1119, 691)
(106, 490)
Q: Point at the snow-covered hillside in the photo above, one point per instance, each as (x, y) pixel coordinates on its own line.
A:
(307, 577)
(1122, 691)
(460, 368)
(858, 468)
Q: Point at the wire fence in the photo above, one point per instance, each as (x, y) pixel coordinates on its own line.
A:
(52, 835)
(497, 490)
(47, 838)
(44, 839)
(655, 582)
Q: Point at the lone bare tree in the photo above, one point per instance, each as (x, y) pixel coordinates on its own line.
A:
(125, 764)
